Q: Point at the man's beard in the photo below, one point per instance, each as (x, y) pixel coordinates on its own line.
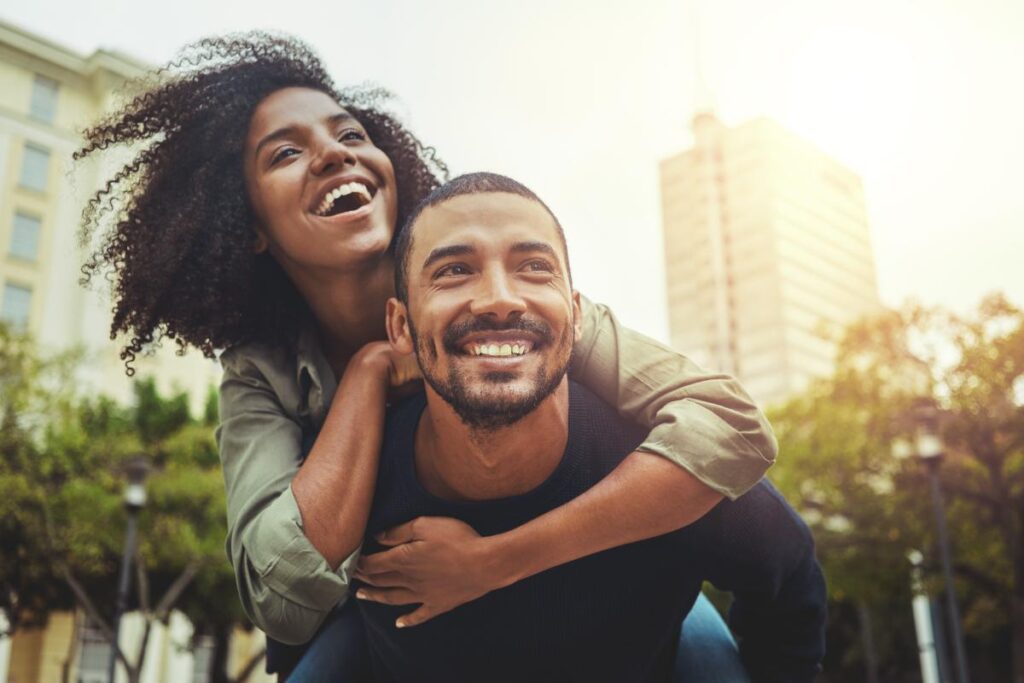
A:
(489, 413)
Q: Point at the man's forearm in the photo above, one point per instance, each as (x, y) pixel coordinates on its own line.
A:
(645, 496)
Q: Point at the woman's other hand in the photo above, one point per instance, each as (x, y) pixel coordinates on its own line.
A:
(437, 562)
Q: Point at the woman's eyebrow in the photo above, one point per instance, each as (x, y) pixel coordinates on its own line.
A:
(287, 131)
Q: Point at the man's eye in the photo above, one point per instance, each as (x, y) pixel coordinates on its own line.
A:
(282, 153)
(452, 270)
(539, 266)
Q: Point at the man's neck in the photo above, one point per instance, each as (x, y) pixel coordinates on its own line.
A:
(456, 462)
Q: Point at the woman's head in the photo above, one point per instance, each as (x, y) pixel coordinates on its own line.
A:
(187, 227)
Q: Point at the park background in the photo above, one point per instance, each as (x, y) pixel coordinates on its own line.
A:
(583, 102)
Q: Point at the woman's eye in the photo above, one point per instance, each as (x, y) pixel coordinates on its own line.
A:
(282, 153)
(352, 134)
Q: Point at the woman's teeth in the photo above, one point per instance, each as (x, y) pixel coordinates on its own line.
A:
(498, 349)
(360, 190)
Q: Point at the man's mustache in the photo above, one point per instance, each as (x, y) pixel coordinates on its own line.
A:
(459, 330)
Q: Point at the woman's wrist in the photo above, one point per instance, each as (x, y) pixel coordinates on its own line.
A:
(510, 557)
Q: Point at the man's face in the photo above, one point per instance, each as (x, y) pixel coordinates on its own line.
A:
(491, 315)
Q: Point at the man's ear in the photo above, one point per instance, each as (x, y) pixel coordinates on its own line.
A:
(397, 321)
(577, 317)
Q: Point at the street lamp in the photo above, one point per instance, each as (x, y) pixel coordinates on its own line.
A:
(929, 447)
(135, 470)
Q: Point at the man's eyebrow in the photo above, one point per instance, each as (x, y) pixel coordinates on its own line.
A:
(447, 252)
(280, 133)
(544, 247)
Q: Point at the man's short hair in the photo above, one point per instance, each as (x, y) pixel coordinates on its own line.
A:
(469, 183)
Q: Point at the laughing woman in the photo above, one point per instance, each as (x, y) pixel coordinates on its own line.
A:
(256, 216)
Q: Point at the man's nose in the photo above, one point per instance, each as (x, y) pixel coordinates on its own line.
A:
(332, 155)
(497, 297)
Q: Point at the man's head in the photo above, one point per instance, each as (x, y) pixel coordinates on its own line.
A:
(485, 298)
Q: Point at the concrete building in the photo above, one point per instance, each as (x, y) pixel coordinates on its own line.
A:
(48, 94)
(766, 245)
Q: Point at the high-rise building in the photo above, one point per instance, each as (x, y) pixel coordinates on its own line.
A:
(766, 246)
(48, 94)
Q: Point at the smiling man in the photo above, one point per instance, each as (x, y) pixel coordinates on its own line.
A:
(501, 436)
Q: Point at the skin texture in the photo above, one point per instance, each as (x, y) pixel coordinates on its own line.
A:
(344, 271)
(505, 265)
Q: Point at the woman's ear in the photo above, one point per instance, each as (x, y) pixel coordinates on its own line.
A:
(397, 322)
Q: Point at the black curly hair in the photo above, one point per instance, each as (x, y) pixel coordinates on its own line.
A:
(173, 227)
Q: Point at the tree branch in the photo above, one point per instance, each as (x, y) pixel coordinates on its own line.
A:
(176, 589)
(250, 665)
(981, 579)
(94, 614)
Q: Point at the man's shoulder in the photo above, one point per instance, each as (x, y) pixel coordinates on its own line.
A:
(598, 423)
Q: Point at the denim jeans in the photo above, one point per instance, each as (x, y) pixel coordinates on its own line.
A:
(707, 651)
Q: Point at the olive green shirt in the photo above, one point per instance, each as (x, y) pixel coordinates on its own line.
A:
(273, 403)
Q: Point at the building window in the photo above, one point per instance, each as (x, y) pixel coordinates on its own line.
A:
(44, 99)
(35, 167)
(93, 654)
(16, 306)
(25, 237)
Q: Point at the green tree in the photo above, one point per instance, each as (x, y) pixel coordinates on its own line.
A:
(868, 503)
(62, 515)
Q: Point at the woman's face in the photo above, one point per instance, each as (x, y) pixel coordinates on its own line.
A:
(324, 195)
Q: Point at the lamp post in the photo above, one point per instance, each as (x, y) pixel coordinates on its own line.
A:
(929, 448)
(135, 470)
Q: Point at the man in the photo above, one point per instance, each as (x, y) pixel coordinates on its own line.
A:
(501, 436)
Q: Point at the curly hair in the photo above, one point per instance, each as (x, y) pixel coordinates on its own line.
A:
(173, 228)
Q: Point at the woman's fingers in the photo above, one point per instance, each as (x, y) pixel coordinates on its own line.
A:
(382, 579)
(387, 596)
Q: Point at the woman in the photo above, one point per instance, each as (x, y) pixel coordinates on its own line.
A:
(257, 216)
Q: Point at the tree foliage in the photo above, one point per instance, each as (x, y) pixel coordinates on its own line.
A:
(867, 498)
(61, 487)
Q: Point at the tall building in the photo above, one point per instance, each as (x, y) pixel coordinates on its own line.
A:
(766, 245)
(48, 94)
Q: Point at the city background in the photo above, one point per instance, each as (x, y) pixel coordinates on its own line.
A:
(742, 181)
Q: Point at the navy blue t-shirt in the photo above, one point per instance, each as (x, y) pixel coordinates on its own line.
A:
(612, 616)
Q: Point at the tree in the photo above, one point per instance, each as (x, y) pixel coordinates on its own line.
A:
(868, 506)
(60, 502)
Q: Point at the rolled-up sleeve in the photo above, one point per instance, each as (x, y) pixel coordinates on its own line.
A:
(286, 586)
(704, 422)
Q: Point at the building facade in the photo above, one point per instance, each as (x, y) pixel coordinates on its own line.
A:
(767, 248)
(48, 94)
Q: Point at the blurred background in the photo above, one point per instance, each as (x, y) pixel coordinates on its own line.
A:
(820, 198)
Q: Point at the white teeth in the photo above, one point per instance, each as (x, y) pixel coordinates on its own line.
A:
(499, 350)
(341, 191)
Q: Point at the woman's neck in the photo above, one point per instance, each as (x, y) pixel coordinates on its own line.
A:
(349, 309)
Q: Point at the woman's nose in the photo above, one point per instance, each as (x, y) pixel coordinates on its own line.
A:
(333, 154)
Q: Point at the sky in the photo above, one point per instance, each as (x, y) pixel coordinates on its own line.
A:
(581, 99)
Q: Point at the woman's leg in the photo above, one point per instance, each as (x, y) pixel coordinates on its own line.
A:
(707, 651)
(338, 652)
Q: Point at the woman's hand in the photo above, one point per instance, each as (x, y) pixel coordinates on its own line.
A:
(437, 562)
(399, 370)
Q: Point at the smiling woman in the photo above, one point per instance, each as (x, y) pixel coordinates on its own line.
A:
(257, 215)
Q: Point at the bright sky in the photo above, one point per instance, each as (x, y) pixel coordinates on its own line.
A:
(580, 100)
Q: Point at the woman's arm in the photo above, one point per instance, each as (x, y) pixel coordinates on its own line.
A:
(707, 439)
(293, 530)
